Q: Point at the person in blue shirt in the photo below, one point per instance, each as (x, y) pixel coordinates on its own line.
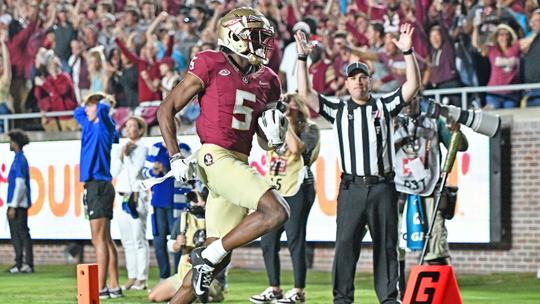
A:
(18, 202)
(168, 199)
(98, 135)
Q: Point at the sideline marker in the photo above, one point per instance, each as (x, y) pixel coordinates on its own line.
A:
(432, 285)
(87, 284)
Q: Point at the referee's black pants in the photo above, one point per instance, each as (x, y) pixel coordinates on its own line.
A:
(375, 205)
(295, 228)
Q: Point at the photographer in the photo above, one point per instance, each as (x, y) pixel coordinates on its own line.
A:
(188, 232)
(418, 162)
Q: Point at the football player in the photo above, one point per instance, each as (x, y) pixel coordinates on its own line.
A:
(233, 88)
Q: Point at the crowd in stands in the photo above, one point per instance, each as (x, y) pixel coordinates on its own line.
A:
(54, 53)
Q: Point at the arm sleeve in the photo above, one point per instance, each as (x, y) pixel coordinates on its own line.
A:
(149, 162)
(23, 36)
(170, 44)
(116, 162)
(275, 91)
(136, 161)
(310, 137)
(328, 107)
(18, 193)
(199, 68)
(393, 102)
(174, 233)
(129, 54)
(103, 110)
(80, 116)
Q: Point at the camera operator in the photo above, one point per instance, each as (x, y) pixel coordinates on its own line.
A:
(188, 232)
(418, 165)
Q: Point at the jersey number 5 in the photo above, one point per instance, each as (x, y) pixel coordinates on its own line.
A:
(240, 108)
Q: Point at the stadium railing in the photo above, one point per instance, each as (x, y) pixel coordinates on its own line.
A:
(465, 91)
(436, 94)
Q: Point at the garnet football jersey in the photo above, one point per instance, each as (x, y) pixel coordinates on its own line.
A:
(231, 103)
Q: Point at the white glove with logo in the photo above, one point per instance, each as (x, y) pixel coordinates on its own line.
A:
(181, 168)
(273, 124)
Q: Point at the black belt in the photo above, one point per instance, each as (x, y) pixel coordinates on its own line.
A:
(368, 179)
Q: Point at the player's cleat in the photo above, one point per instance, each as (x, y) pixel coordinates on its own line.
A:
(115, 293)
(202, 275)
(293, 296)
(269, 295)
(104, 294)
(26, 269)
(14, 269)
(141, 286)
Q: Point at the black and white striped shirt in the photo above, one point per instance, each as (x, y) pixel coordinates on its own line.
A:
(364, 132)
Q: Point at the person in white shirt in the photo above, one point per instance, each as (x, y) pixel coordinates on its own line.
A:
(287, 68)
(127, 165)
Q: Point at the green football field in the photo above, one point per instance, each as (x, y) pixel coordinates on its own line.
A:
(57, 284)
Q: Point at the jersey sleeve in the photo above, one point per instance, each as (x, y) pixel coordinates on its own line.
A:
(275, 89)
(328, 107)
(200, 68)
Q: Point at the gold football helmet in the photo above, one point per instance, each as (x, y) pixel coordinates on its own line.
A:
(248, 33)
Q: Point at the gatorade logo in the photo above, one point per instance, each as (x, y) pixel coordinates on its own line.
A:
(424, 289)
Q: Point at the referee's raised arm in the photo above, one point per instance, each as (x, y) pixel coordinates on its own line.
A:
(304, 87)
(412, 84)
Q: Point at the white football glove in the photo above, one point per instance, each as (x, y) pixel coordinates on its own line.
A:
(181, 168)
(273, 124)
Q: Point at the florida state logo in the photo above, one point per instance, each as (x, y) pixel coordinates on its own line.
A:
(208, 159)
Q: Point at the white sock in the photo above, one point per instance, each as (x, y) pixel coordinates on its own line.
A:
(215, 252)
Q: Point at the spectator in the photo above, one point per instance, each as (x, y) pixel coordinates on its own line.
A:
(5, 77)
(485, 16)
(383, 80)
(99, 78)
(78, 68)
(56, 93)
(65, 30)
(148, 80)
(126, 78)
(169, 77)
(441, 68)
(289, 171)
(389, 56)
(324, 79)
(19, 38)
(18, 202)
(157, 165)
(504, 57)
(531, 49)
(130, 21)
(127, 165)
(105, 36)
(287, 69)
(187, 36)
(98, 135)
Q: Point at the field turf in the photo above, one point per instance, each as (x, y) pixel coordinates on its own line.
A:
(57, 284)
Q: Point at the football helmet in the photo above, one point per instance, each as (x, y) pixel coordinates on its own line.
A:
(247, 32)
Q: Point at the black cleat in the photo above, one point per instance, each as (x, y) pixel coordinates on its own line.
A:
(202, 274)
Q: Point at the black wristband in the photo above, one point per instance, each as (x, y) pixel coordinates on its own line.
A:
(302, 57)
(408, 52)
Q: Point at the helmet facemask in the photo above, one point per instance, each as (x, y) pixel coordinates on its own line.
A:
(250, 36)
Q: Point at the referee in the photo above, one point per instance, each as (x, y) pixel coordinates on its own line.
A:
(367, 195)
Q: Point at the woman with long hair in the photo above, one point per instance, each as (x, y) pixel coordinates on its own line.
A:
(504, 53)
(289, 170)
(99, 78)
